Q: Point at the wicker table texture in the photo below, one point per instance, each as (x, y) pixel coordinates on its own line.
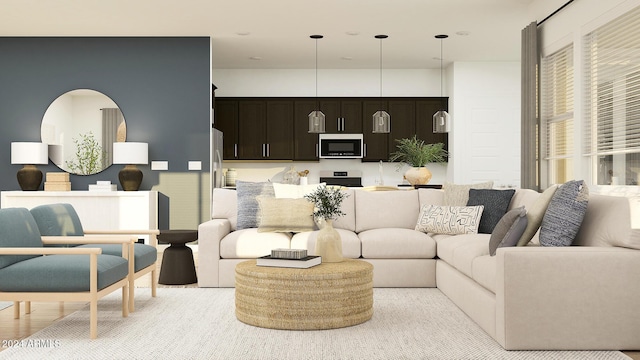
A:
(326, 296)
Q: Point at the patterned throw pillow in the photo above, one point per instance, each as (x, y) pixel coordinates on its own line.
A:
(451, 220)
(247, 203)
(564, 215)
(458, 195)
(508, 230)
(496, 204)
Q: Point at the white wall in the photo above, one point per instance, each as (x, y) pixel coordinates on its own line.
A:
(485, 108)
(484, 102)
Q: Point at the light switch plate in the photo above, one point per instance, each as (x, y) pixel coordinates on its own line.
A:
(195, 165)
(159, 165)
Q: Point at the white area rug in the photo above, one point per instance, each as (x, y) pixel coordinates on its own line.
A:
(195, 323)
(5, 304)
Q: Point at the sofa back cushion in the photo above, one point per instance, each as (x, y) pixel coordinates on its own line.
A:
(431, 197)
(609, 221)
(225, 206)
(347, 221)
(17, 229)
(57, 220)
(386, 209)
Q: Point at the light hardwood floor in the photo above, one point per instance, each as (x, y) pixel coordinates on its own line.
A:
(45, 314)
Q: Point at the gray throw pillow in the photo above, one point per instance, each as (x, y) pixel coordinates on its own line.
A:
(495, 202)
(564, 215)
(247, 203)
(508, 230)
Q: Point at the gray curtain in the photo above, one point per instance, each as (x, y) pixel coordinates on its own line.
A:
(111, 119)
(529, 174)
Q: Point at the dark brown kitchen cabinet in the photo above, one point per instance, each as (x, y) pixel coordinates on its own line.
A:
(266, 130)
(305, 144)
(425, 108)
(403, 120)
(376, 146)
(342, 115)
(226, 120)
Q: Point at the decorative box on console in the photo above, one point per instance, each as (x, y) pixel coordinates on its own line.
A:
(57, 181)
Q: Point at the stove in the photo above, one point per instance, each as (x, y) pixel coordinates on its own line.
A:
(349, 178)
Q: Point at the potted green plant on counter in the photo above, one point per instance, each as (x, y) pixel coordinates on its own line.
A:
(417, 154)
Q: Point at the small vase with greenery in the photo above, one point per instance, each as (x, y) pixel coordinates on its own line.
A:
(417, 154)
(328, 204)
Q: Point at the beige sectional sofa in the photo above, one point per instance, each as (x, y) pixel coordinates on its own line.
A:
(531, 297)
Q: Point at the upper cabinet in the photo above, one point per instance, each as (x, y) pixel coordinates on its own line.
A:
(277, 128)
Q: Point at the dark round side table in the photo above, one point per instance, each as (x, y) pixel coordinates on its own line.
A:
(177, 260)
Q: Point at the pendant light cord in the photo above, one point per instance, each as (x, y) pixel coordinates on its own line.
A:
(440, 67)
(380, 72)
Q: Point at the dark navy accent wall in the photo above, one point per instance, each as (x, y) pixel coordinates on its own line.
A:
(162, 85)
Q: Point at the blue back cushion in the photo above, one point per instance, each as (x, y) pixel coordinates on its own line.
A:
(57, 220)
(17, 229)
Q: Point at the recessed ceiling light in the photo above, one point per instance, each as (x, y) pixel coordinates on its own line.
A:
(346, 58)
(462, 33)
(353, 33)
(243, 33)
(255, 58)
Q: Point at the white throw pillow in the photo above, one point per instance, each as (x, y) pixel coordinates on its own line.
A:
(288, 191)
(450, 220)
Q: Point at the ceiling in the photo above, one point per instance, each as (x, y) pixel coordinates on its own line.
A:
(275, 34)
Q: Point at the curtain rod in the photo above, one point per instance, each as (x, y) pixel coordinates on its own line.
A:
(555, 12)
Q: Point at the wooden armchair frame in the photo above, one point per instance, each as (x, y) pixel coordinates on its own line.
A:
(93, 295)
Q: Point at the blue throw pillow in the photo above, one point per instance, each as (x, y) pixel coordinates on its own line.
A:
(564, 215)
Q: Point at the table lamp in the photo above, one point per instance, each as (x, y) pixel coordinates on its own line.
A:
(130, 154)
(29, 154)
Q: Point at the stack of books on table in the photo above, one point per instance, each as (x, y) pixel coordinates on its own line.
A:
(57, 181)
(291, 258)
(103, 186)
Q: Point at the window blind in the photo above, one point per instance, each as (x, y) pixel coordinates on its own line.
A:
(612, 80)
(557, 103)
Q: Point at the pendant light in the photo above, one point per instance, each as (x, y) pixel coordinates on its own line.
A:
(316, 117)
(441, 119)
(381, 119)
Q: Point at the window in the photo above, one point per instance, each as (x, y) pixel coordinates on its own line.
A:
(557, 114)
(612, 101)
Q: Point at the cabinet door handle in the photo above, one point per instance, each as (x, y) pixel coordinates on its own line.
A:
(317, 150)
(235, 150)
(365, 150)
(268, 150)
(338, 124)
(343, 121)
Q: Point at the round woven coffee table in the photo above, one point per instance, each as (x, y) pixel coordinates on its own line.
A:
(326, 296)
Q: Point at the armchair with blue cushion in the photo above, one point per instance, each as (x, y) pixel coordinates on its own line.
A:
(62, 220)
(29, 271)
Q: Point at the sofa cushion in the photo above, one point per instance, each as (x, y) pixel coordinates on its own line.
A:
(144, 255)
(509, 230)
(289, 191)
(396, 243)
(459, 251)
(610, 221)
(449, 220)
(224, 205)
(307, 240)
(430, 197)
(247, 203)
(348, 207)
(248, 243)
(564, 215)
(495, 202)
(386, 209)
(284, 215)
(61, 273)
(484, 271)
(17, 229)
(458, 194)
(535, 213)
(57, 220)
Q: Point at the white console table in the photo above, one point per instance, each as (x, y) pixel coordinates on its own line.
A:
(98, 210)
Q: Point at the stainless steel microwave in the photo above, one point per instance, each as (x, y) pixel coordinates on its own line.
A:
(341, 146)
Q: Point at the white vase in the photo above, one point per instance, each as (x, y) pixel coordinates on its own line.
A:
(418, 175)
(304, 180)
(329, 244)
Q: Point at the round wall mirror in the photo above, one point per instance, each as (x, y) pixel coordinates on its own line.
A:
(80, 127)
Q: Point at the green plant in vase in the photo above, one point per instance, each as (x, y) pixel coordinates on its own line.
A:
(328, 202)
(417, 154)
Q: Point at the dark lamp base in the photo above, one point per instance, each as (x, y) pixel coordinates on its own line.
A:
(130, 178)
(29, 178)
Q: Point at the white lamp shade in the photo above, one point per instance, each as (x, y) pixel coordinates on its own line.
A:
(29, 153)
(130, 153)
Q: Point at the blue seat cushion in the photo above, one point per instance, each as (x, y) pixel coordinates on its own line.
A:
(144, 255)
(17, 229)
(61, 273)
